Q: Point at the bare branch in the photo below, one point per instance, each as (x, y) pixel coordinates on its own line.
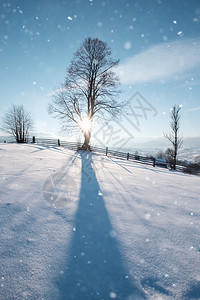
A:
(173, 137)
(91, 87)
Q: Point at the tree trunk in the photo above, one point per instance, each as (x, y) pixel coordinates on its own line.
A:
(17, 136)
(86, 144)
(87, 136)
(174, 165)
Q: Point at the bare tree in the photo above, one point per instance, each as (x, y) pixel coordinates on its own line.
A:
(90, 89)
(173, 137)
(17, 122)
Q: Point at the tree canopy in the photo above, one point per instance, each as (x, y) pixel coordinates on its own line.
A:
(90, 89)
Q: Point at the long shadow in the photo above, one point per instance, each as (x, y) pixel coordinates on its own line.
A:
(95, 268)
(193, 292)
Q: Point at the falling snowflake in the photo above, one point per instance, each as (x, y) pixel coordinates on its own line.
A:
(180, 33)
(113, 295)
(147, 216)
(127, 45)
(99, 24)
(69, 18)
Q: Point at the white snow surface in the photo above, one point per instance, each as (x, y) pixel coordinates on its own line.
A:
(78, 225)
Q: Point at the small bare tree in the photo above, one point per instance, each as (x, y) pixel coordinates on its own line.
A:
(173, 137)
(90, 89)
(17, 122)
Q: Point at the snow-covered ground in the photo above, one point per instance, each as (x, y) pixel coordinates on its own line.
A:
(85, 226)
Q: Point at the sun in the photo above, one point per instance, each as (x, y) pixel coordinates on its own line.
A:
(86, 125)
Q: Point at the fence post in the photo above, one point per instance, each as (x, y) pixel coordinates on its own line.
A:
(34, 139)
(127, 156)
(58, 142)
(106, 151)
(154, 162)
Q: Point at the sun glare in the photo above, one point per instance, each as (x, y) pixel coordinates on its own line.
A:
(86, 125)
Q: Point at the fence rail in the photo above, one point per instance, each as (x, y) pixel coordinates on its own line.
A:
(54, 142)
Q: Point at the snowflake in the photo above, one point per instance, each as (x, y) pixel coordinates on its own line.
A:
(113, 295)
(127, 45)
(180, 33)
(99, 24)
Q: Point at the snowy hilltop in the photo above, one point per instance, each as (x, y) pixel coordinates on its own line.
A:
(78, 225)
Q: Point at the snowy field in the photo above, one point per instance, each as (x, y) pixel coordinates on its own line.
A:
(85, 226)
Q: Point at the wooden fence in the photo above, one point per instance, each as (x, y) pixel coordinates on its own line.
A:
(53, 142)
(105, 151)
(149, 160)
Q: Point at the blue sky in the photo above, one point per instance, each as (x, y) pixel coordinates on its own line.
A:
(157, 42)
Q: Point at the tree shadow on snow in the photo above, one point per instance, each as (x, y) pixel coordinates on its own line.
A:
(193, 292)
(153, 283)
(95, 268)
